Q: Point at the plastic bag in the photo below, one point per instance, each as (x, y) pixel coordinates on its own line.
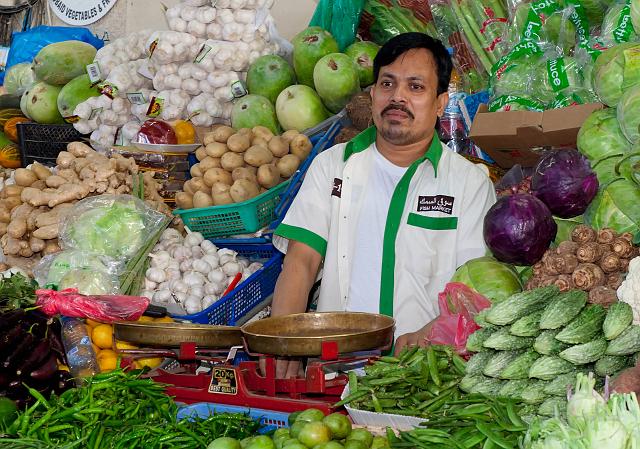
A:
(616, 27)
(19, 78)
(383, 19)
(117, 226)
(99, 307)
(52, 268)
(458, 305)
(340, 18)
(564, 76)
(26, 45)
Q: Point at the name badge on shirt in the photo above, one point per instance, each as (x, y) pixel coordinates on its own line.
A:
(337, 188)
(437, 203)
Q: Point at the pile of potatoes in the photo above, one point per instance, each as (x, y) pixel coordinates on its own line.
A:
(235, 166)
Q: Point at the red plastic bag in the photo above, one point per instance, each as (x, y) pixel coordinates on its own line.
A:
(105, 308)
(458, 305)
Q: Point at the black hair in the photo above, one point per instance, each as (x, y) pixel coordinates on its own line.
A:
(402, 43)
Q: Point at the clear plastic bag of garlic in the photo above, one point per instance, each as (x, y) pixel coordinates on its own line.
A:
(191, 273)
(128, 48)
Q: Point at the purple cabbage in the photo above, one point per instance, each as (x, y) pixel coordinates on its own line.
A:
(565, 182)
(518, 229)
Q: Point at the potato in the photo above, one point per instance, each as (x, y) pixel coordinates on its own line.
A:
(288, 165)
(214, 175)
(246, 132)
(301, 146)
(184, 200)
(201, 153)
(262, 132)
(220, 194)
(268, 176)
(196, 171)
(243, 190)
(289, 135)
(231, 161)
(25, 177)
(245, 173)
(209, 162)
(278, 146)
(257, 156)
(202, 199)
(222, 133)
(216, 149)
(260, 141)
(239, 143)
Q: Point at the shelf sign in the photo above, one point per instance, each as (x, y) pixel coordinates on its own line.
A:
(81, 12)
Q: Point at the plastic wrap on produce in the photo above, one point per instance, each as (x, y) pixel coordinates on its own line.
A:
(117, 226)
(383, 19)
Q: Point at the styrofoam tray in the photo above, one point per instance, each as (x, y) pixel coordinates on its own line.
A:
(373, 419)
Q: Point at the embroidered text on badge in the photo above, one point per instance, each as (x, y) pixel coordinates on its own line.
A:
(437, 203)
(337, 187)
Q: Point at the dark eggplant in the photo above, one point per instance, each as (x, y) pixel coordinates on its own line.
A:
(47, 369)
(4, 378)
(20, 350)
(56, 345)
(39, 353)
(64, 381)
(10, 339)
(10, 319)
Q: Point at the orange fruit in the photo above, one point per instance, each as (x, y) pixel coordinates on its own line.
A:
(92, 323)
(151, 362)
(185, 132)
(145, 319)
(107, 360)
(102, 336)
(164, 319)
(95, 348)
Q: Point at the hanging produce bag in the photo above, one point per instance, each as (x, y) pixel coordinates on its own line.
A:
(383, 19)
(340, 18)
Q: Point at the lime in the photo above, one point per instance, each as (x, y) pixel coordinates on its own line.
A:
(339, 424)
(314, 433)
(224, 443)
(261, 442)
(361, 435)
(310, 415)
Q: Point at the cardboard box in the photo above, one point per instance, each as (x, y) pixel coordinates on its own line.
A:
(520, 137)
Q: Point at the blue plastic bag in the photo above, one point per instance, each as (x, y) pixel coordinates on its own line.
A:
(25, 45)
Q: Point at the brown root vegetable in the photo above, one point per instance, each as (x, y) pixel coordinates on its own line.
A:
(184, 200)
(216, 149)
(243, 190)
(201, 153)
(589, 252)
(288, 136)
(537, 269)
(606, 236)
(18, 226)
(278, 146)
(627, 236)
(268, 176)
(259, 141)
(209, 162)
(614, 280)
(202, 199)
(602, 295)
(214, 175)
(25, 177)
(359, 110)
(549, 266)
(79, 149)
(36, 244)
(623, 248)
(288, 165)
(624, 265)
(564, 282)
(627, 381)
(262, 132)
(583, 234)
(41, 171)
(301, 146)
(221, 134)
(11, 190)
(50, 247)
(567, 247)
(46, 232)
(196, 171)
(346, 134)
(220, 194)
(532, 283)
(545, 281)
(239, 143)
(610, 262)
(230, 161)
(245, 173)
(257, 156)
(55, 181)
(563, 264)
(587, 276)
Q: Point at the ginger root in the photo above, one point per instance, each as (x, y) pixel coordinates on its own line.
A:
(46, 232)
(18, 226)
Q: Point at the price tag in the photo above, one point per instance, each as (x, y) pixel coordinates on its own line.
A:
(108, 89)
(206, 48)
(223, 381)
(72, 119)
(238, 89)
(94, 113)
(155, 107)
(93, 70)
(118, 139)
(136, 98)
(152, 47)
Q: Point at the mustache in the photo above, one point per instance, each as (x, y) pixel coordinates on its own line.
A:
(397, 107)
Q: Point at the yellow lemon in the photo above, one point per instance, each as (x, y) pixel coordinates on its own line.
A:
(102, 336)
(164, 319)
(150, 362)
(92, 323)
(145, 319)
(95, 348)
(107, 360)
(124, 345)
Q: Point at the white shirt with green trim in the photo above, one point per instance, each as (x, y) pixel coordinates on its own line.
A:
(434, 224)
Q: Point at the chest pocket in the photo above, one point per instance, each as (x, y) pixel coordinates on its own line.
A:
(432, 223)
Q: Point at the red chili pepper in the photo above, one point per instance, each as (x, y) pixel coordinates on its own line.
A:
(233, 284)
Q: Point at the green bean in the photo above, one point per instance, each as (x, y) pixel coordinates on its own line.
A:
(433, 365)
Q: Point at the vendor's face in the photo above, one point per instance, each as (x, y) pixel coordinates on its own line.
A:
(405, 102)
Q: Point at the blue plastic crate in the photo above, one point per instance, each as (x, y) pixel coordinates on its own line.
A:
(270, 419)
(230, 309)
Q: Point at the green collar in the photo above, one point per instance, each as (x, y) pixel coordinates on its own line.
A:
(363, 140)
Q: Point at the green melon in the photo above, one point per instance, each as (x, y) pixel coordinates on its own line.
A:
(309, 46)
(269, 75)
(59, 63)
(41, 104)
(75, 92)
(254, 110)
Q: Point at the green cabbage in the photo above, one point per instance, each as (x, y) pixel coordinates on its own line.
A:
(600, 136)
(492, 279)
(628, 117)
(89, 282)
(616, 70)
(19, 78)
(616, 207)
(53, 268)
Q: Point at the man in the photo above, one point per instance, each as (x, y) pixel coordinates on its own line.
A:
(391, 214)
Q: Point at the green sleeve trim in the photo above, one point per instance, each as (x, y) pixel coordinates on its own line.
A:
(304, 236)
(433, 223)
